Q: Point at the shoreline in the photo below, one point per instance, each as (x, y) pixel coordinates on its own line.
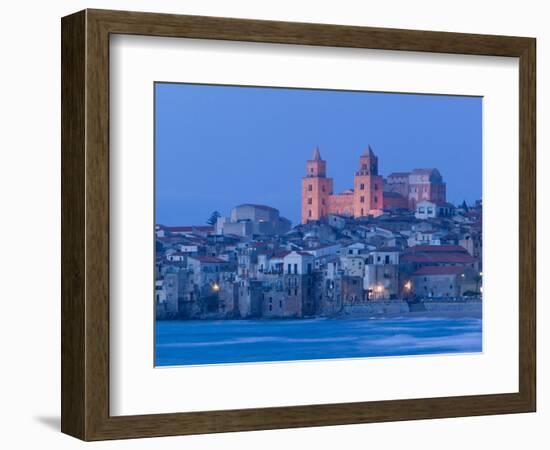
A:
(342, 316)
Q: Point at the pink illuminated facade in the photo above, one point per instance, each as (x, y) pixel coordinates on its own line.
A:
(371, 194)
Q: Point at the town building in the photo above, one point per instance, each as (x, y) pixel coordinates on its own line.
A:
(426, 209)
(381, 242)
(444, 281)
(319, 200)
(250, 219)
(418, 185)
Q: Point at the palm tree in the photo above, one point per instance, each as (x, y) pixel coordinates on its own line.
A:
(213, 218)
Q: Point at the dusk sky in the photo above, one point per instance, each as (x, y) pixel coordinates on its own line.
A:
(221, 146)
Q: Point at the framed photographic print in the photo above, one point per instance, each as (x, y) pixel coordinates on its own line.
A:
(273, 225)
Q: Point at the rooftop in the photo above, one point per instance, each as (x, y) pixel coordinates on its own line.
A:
(208, 259)
(187, 228)
(438, 258)
(436, 249)
(438, 270)
(265, 207)
(398, 174)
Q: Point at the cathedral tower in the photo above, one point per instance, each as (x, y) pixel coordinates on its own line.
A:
(316, 188)
(367, 186)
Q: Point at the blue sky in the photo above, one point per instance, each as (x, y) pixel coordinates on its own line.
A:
(220, 146)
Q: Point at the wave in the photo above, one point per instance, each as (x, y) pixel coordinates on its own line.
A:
(401, 342)
(254, 340)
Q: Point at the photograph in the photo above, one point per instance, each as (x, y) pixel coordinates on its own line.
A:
(296, 224)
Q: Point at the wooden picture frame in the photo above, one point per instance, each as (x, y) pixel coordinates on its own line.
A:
(85, 224)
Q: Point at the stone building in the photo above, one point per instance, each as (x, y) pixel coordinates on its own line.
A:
(444, 281)
(250, 219)
(381, 279)
(319, 200)
(370, 194)
(415, 186)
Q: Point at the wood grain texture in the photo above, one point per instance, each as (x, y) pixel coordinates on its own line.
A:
(85, 224)
(73, 227)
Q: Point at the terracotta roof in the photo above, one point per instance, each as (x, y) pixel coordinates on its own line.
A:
(436, 249)
(438, 258)
(438, 270)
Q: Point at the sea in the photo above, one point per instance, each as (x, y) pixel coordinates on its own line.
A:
(199, 342)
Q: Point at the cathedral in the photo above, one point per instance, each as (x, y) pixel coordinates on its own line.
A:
(371, 193)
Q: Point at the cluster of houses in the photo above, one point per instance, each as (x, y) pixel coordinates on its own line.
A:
(252, 264)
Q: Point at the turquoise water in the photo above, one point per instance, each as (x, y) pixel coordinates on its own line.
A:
(238, 341)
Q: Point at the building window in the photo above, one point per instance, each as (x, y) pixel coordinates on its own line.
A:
(289, 268)
(323, 188)
(295, 269)
(309, 213)
(362, 212)
(362, 186)
(295, 291)
(280, 303)
(310, 187)
(387, 259)
(375, 186)
(375, 199)
(362, 199)
(309, 201)
(323, 201)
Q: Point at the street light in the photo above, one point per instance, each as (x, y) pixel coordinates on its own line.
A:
(215, 287)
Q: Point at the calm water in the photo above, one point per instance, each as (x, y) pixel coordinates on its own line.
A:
(233, 341)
